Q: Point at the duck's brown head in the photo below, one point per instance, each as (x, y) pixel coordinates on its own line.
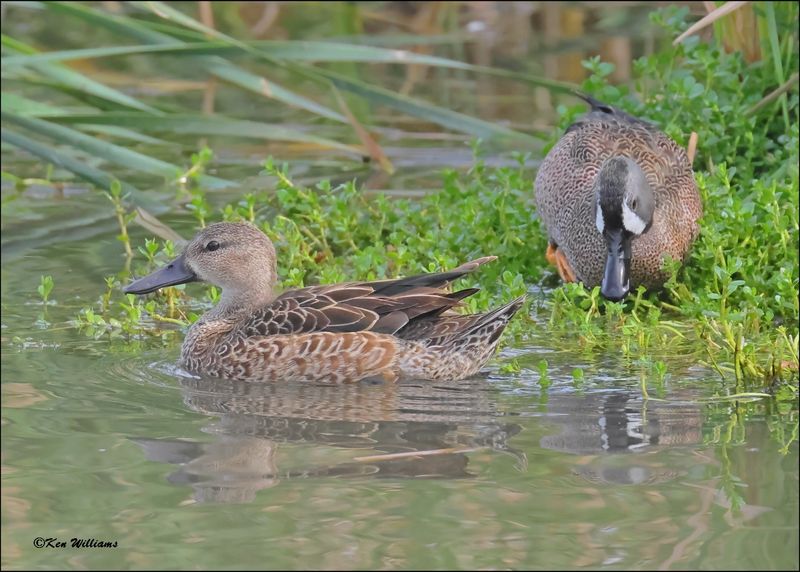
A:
(235, 256)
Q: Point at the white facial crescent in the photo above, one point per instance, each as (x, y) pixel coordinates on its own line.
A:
(601, 224)
(631, 221)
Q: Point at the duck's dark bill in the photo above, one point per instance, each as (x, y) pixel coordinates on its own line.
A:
(172, 274)
(616, 279)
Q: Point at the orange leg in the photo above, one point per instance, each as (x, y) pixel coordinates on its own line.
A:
(550, 253)
(557, 258)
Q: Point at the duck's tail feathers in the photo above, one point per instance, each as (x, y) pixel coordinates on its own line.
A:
(481, 330)
(493, 323)
(595, 104)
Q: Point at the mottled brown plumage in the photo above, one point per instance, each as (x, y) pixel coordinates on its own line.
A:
(571, 183)
(344, 332)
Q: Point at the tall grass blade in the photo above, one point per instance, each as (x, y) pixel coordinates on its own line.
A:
(338, 52)
(787, 85)
(227, 71)
(15, 103)
(106, 150)
(372, 146)
(219, 67)
(291, 51)
(194, 124)
(147, 220)
(224, 70)
(709, 19)
(97, 177)
(433, 113)
(167, 12)
(20, 105)
(122, 133)
(74, 80)
(775, 55)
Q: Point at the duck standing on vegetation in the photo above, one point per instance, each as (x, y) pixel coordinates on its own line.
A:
(385, 329)
(616, 196)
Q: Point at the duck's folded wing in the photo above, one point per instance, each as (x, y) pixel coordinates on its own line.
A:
(383, 306)
(302, 313)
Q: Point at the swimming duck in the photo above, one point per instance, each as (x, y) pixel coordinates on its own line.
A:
(616, 196)
(386, 329)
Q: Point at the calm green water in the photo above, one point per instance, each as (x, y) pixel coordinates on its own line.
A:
(108, 439)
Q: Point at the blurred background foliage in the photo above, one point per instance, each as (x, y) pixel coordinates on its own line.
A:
(336, 81)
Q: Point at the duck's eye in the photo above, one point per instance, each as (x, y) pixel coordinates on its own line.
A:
(634, 204)
(212, 246)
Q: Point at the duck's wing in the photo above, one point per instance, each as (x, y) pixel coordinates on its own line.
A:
(383, 306)
(607, 130)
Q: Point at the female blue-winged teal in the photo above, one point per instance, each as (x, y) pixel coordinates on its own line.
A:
(616, 195)
(344, 332)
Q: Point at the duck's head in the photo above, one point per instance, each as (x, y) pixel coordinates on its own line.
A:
(235, 256)
(624, 204)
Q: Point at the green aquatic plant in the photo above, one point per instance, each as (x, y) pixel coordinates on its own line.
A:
(544, 378)
(124, 217)
(45, 287)
(577, 378)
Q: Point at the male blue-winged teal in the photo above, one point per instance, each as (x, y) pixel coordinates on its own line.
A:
(616, 195)
(385, 329)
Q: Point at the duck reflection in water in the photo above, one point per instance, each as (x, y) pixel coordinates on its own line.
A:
(393, 430)
(614, 433)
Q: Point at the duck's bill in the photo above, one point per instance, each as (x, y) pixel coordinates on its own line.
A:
(616, 278)
(172, 274)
